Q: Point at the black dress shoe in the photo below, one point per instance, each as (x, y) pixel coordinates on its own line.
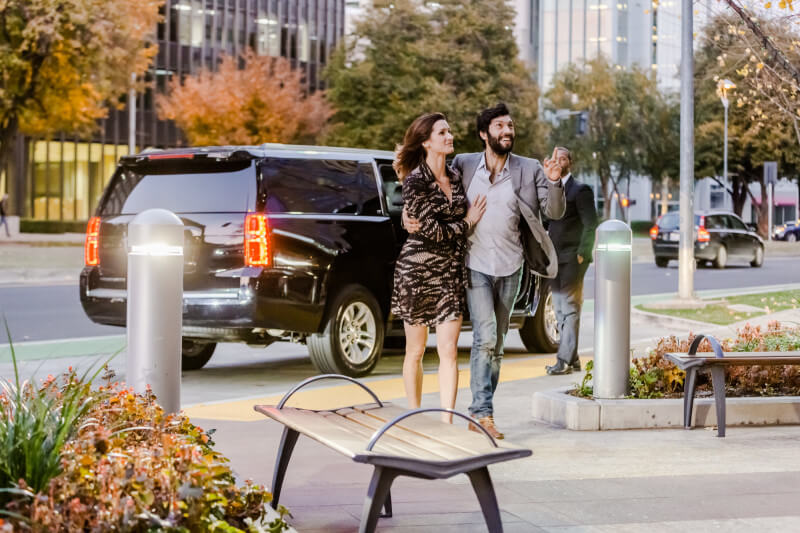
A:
(576, 365)
(559, 368)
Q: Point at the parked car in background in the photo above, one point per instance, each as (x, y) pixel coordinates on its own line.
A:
(718, 237)
(790, 231)
(292, 243)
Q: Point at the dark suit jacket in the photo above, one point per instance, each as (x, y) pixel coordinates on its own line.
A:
(573, 234)
(536, 196)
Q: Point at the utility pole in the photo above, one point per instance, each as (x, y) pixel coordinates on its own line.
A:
(686, 247)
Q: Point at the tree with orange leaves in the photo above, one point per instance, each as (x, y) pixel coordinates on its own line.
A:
(265, 101)
(63, 61)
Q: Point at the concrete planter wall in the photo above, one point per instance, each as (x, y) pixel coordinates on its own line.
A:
(561, 409)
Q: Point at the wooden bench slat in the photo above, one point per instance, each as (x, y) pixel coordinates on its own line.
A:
(345, 436)
(445, 451)
(390, 443)
(424, 425)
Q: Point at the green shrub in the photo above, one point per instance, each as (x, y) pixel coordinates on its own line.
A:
(78, 458)
(27, 225)
(654, 376)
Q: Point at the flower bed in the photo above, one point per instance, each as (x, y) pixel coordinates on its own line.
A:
(653, 376)
(74, 457)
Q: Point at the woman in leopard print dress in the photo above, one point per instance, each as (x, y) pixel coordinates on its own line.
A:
(430, 274)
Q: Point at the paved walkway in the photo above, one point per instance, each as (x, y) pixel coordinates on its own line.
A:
(659, 480)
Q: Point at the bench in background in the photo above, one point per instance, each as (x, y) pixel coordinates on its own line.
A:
(716, 363)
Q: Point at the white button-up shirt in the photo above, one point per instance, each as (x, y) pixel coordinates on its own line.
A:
(495, 247)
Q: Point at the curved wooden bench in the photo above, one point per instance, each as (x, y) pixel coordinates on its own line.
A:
(397, 442)
(715, 363)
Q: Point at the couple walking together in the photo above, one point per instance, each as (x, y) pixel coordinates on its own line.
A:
(473, 227)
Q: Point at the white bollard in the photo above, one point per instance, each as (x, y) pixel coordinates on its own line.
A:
(612, 310)
(155, 305)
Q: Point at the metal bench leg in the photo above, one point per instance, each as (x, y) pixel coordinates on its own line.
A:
(482, 484)
(387, 506)
(688, 397)
(718, 382)
(288, 440)
(377, 497)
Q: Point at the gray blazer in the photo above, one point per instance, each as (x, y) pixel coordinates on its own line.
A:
(536, 195)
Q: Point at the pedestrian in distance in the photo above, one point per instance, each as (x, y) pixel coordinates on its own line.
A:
(3, 213)
(573, 238)
(430, 275)
(507, 239)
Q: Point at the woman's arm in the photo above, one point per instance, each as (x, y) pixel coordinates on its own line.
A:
(416, 199)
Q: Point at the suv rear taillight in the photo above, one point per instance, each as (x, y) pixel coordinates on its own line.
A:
(703, 235)
(256, 240)
(90, 249)
(654, 232)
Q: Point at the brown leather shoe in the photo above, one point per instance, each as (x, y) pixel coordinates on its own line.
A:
(488, 424)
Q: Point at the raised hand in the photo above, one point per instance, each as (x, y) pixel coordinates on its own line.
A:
(551, 167)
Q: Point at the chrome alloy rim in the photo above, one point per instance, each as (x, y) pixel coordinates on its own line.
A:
(357, 333)
(550, 320)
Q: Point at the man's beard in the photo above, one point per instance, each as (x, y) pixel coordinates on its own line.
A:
(497, 147)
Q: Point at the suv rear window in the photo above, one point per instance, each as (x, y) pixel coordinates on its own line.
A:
(225, 187)
(672, 221)
(320, 186)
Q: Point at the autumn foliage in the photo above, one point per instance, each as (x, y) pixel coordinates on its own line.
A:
(265, 101)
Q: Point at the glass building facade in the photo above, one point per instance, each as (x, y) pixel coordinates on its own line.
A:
(62, 178)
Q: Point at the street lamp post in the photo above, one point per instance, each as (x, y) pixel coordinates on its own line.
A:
(686, 241)
(722, 90)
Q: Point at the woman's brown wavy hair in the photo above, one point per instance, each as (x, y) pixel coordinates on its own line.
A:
(411, 154)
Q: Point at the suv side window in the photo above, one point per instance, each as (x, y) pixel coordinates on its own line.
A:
(716, 222)
(735, 223)
(297, 185)
(392, 189)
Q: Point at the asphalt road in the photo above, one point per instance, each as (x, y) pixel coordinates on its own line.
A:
(37, 313)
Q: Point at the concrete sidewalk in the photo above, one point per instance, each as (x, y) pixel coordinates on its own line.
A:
(658, 480)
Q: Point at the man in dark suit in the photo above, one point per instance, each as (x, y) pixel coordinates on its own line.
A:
(573, 238)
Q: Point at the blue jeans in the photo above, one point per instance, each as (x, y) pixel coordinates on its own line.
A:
(490, 300)
(567, 289)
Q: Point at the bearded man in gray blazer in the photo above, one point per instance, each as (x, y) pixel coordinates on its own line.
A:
(508, 238)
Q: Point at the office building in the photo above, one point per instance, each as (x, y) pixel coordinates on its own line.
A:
(62, 178)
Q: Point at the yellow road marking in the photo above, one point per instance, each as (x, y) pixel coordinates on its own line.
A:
(345, 395)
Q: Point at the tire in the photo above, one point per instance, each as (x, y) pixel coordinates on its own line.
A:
(353, 337)
(195, 354)
(791, 237)
(539, 333)
(758, 257)
(722, 257)
(700, 263)
(662, 262)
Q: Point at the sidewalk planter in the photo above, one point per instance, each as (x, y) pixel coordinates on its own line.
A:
(558, 408)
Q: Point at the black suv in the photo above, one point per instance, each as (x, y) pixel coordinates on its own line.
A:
(718, 236)
(281, 243)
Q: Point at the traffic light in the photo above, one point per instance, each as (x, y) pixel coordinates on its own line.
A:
(624, 202)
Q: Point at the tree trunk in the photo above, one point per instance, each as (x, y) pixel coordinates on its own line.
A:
(664, 195)
(763, 211)
(7, 135)
(738, 194)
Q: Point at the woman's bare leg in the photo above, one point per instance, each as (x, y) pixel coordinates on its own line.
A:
(447, 345)
(416, 339)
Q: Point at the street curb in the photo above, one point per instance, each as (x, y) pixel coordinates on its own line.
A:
(667, 321)
(558, 408)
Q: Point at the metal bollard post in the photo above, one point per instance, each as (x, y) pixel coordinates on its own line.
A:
(155, 305)
(612, 310)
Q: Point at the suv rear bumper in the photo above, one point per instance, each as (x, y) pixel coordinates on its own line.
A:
(222, 314)
(669, 250)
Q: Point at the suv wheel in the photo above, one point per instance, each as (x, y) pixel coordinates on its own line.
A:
(758, 257)
(662, 262)
(539, 333)
(722, 257)
(195, 354)
(791, 237)
(352, 340)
